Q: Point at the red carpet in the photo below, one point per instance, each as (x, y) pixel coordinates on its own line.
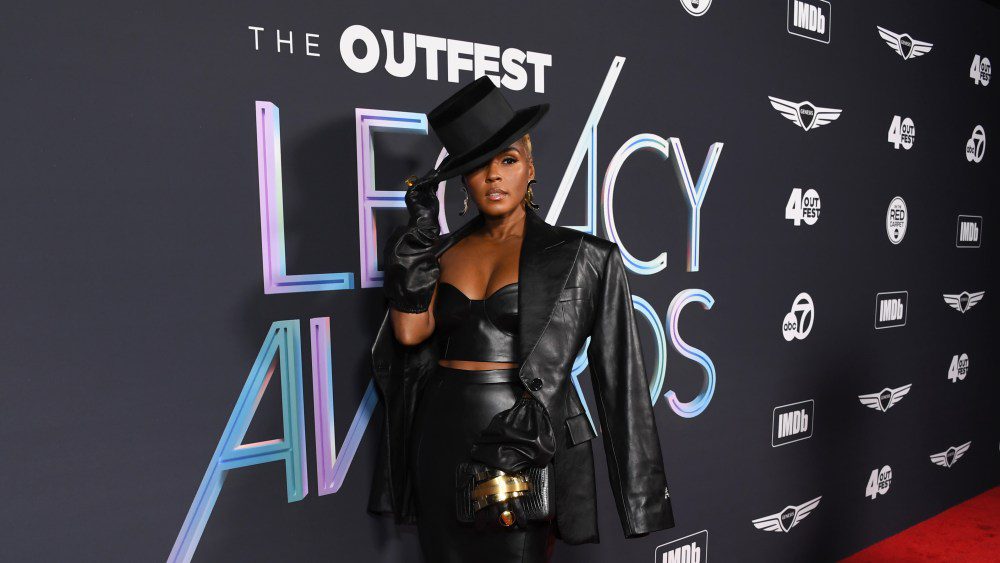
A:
(966, 532)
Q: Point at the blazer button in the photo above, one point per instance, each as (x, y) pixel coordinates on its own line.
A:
(535, 384)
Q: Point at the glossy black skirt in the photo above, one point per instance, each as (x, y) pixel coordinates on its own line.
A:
(455, 405)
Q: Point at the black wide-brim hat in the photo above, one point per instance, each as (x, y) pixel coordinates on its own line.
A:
(476, 123)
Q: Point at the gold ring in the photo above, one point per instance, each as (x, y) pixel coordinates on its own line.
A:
(507, 518)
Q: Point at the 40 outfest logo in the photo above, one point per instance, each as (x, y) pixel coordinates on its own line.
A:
(958, 368)
(902, 132)
(798, 322)
(981, 71)
(878, 482)
(803, 207)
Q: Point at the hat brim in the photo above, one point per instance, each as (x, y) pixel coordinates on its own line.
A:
(523, 120)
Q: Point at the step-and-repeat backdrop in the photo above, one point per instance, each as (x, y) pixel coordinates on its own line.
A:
(196, 197)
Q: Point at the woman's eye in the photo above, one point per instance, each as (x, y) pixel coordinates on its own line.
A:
(509, 160)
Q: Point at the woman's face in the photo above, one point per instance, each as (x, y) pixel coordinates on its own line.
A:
(498, 187)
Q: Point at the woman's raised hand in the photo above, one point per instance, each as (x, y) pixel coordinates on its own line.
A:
(411, 269)
(423, 205)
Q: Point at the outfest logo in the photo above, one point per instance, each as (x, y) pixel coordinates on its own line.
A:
(363, 50)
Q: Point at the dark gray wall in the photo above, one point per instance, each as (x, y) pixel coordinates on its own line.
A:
(133, 291)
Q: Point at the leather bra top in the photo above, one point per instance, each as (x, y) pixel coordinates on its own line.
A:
(483, 330)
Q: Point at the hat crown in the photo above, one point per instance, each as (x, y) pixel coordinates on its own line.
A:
(470, 116)
(476, 123)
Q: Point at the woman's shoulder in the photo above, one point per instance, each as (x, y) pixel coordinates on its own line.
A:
(594, 251)
(595, 242)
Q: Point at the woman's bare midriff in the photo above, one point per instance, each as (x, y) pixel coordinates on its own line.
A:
(473, 365)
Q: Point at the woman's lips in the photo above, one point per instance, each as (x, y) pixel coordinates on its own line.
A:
(496, 196)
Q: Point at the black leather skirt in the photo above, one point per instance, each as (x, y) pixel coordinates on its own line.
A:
(455, 405)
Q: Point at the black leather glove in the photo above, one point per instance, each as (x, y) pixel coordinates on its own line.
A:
(489, 518)
(514, 440)
(517, 438)
(411, 269)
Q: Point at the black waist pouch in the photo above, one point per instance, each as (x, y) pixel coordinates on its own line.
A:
(537, 502)
(517, 440)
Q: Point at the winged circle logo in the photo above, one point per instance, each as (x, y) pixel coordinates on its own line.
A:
(904, 45)
(804, 114)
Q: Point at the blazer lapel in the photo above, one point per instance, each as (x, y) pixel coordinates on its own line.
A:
(547, 254)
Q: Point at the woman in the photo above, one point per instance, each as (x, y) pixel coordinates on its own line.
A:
(487, 320)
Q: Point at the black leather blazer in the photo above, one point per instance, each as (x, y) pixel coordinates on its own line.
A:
(571, 285)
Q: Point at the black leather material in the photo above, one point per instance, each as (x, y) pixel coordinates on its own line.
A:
(517, 438)
(475, 123)
(411, 266)
(483, 330)
(520, 440)
(571, 285)
(454, 406)
(489, 518)
(535, 505)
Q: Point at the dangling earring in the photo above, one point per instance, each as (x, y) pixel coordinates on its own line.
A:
(529, 198)
(465, 203)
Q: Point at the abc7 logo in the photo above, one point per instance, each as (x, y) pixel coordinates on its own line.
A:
(975, 148)
(798, 322)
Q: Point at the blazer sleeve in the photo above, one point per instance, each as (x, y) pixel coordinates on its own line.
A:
(631, 441)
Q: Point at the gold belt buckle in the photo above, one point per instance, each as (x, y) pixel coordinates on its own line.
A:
(498, 489)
